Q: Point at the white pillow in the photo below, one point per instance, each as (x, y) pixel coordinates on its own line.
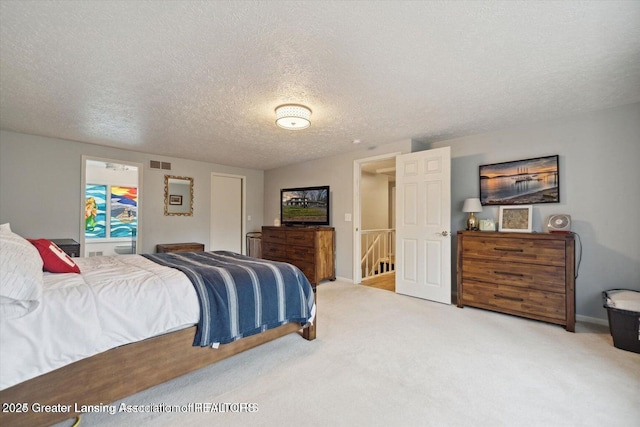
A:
(21, 276)
(5, 228)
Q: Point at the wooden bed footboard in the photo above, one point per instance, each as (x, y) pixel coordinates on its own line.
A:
(118, 373)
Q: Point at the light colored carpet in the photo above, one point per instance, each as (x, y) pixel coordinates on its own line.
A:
(384, 359)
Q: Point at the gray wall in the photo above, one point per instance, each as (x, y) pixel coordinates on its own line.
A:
(599, 172)
(40, 193)
(337, 172)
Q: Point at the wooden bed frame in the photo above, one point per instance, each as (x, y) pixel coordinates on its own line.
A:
(121, 372)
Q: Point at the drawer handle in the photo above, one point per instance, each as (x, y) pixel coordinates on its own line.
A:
(509, 298)
(508, 249)
(506, 273)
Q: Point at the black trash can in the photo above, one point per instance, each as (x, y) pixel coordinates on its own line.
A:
(623, 310)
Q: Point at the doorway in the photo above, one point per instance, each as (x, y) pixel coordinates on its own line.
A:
(422, 218)
(111, 192)
(374, 216)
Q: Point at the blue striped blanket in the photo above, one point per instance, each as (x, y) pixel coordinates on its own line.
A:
(241, 296)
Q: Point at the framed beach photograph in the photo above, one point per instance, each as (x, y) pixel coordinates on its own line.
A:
(520, 182)
(175, 199)
(515, 218)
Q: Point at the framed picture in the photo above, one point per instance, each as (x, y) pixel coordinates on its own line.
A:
(515, 218)
(521, 182)
(175, 199)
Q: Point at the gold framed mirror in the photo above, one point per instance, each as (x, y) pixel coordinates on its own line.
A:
(178, 195)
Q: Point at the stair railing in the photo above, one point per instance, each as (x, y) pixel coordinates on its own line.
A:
(378, 255)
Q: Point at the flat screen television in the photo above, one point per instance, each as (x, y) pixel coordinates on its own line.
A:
(304, 206)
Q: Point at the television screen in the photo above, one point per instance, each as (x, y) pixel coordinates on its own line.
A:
(304, 206)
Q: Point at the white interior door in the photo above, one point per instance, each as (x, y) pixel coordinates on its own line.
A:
(423, 208)
(227, 207)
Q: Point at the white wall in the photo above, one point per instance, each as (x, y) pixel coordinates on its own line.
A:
(374, 197)
(599, 172)
(40, 193)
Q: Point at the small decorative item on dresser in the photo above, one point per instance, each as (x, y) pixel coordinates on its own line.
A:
(487, 225)
(559, 223)
(515, 218)
(472, 206)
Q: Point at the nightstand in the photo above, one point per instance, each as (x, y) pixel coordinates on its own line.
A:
(69, 246)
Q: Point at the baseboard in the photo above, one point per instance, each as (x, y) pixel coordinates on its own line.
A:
(344, 279)
(595, 320)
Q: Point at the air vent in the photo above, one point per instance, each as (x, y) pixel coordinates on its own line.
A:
(155, 164)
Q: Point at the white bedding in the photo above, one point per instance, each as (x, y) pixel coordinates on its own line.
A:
(114, 301)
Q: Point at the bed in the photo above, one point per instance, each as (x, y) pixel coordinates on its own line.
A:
(136, 321)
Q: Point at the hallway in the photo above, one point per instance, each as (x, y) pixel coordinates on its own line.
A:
(386, 282)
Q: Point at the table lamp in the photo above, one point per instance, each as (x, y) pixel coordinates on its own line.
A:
(472, 206)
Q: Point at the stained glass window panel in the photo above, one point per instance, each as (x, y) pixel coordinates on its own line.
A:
(124, 211)
(95, 215)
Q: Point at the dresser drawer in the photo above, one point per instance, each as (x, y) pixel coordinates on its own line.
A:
(300, 238)
(531, 276)
(301, 253)
(275, 252)
(515, 300)
(547, 252)
(307, 269)
(273, 236)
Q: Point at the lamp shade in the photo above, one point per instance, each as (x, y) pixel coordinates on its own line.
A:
(472, 205)
(293, 116)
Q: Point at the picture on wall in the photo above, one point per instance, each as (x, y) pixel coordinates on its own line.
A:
(175, 199)
(520, 182)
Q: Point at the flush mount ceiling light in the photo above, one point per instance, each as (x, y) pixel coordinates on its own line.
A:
(293, 116)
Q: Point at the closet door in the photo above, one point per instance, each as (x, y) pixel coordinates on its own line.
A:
(227, 201)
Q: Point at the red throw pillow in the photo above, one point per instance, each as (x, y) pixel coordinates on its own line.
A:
(55, 259)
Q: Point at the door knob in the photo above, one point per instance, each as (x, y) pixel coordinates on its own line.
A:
(445, 233)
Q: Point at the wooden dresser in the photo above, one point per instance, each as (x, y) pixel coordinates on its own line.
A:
(311, 249)
(179, 247)
(529, 275)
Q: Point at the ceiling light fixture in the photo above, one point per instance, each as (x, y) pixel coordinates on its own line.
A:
(293, 116)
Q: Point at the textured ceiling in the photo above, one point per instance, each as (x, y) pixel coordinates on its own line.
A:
(201, 79)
